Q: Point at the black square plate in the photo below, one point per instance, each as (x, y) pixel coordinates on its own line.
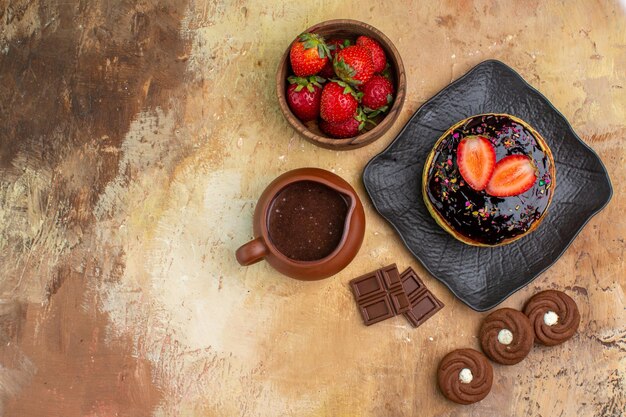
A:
(484, 277)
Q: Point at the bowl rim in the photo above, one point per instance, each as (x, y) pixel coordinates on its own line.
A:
(369, 136)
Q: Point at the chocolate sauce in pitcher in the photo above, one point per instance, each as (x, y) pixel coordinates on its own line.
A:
(306, 220)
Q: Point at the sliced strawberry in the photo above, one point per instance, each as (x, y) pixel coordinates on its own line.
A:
(476, 158)
(513, 175)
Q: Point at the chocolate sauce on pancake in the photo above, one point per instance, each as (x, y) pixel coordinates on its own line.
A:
(475, 214)
(306, 220)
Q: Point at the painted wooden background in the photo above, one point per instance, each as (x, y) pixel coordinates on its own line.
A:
(135, 138)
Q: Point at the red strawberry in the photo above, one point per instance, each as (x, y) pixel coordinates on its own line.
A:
(303, 97)
(476, 158)
(333, 46)
(354, 65)
(338, 102)
(308, 54)
(379, 59)
(514, 175)
(377, 93)
(348, 128)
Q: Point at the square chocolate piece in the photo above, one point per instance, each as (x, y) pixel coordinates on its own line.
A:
(376, 310)
(391, 276)
(367, 286)
(380, 294)
(422, 308)
(412, 284)
(400, 301)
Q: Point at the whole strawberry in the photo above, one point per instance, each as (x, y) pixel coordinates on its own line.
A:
(334, 45)
(377, 93)
(303, 97)
(354, 65)
(338, 102)
(308, 54)
(379, 59)
(348, 128)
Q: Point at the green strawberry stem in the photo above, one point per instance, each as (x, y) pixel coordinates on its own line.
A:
(347, 89)
(345, 44)
(373, 113)
(345, 71)
(308, 82)
(313, 40)
(363, 118)
(387, 71)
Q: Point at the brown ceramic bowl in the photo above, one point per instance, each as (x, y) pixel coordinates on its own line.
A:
(262, 247)
(350, 29)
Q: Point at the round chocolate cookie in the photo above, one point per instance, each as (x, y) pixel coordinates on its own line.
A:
(465, 376)
(553, 315)
(506, 336)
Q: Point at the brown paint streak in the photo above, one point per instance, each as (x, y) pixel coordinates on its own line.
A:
(86, 84)
(71, 90)
(80, 373)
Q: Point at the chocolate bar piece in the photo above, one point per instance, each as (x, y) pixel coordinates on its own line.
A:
(424, 304)
(376, 310)
(380, 294)
(412, 284)
(423, 308)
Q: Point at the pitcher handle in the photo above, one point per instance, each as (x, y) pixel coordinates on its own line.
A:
(252, 252)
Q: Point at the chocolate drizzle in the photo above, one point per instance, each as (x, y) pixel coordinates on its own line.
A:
(475, 214)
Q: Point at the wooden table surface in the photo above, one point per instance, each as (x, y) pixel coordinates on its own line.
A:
(134, 142)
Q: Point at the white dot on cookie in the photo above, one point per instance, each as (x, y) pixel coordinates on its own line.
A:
(465, 376)
(550, 318)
